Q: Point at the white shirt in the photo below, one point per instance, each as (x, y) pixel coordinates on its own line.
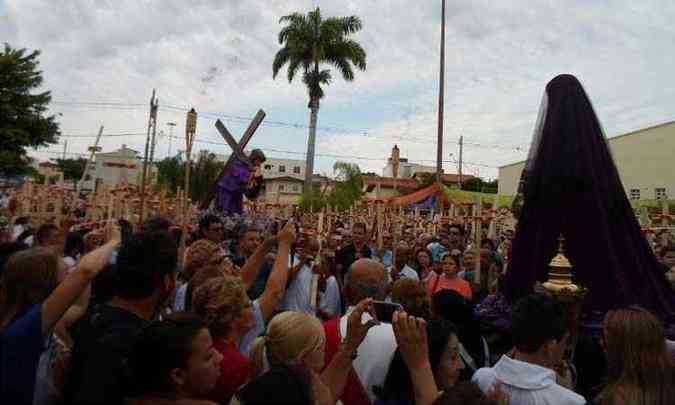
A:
(526, 383)
(259, 328)
(330, 301)
(406, 272)
(298, 294)
(374, 354)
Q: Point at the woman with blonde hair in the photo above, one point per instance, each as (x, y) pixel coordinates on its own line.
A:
(287, 362)
(639, 369)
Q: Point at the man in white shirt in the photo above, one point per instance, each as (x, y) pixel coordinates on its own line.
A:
(540, 335)
(367, 279)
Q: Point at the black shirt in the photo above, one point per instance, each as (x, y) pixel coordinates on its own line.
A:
(102, 340)
(346, 256)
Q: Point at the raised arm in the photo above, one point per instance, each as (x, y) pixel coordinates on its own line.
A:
(276, 283)
(251, 269)
(411, 336)
(66, 293)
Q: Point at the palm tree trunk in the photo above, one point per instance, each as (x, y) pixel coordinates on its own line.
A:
(309, 169)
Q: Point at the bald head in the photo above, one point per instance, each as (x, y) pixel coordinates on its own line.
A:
(365, 279)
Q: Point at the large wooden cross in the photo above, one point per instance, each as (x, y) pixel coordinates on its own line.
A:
(237, 150)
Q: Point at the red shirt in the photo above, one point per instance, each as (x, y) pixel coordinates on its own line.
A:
(235, 369)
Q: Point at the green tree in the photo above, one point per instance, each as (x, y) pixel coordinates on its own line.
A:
(309, 41)
(72, 168)
(23, 119)
(348, 190)
(204, 172)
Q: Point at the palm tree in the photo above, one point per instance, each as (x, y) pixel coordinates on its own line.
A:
(309, 41)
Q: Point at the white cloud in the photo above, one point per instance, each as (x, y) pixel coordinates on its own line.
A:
(499, 56)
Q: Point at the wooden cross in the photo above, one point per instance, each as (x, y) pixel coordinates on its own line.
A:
(237, 150)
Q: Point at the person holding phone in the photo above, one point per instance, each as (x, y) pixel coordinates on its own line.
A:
(366, 279)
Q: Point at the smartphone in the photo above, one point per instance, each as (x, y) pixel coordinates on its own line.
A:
(384, 311)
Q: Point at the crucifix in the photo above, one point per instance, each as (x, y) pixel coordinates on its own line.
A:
(237, 151)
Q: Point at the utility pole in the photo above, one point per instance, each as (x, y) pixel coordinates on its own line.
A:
(65, 149)
(441, 88)
(171, 126)
(87, 167)
(152, 127)
(461, 150)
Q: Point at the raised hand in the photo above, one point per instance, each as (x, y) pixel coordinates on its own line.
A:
(356, 329)
(411, 336)
(287, 234)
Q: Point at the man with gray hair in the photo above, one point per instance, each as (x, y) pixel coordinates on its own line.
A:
(365, 279)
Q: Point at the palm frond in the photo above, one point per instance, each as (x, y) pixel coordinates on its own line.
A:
(280, 59)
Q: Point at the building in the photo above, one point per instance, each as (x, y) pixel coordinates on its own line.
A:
(645, 159)
(115, 168)
(406, 170)
(49, 170)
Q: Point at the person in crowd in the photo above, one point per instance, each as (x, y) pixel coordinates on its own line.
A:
(442, 351)
(468, 265)
(298, 295)
(200, 254)
(354, 250)
(456, 237)
(235, 321)
(367, 279)
(156, 224)
(174, 362)
(35, 293)
(7, 249)
(248, 242)
(145, 277)
(288, 362)
(449, 279)
(412, 296)
(453, 307)
(73, 249)
(442, 246)
(539, 332)
(667, 256)
(386, 256)
(48, 236)
(467, 393)
(640, 370)
(211, 229)
(423, 263)
(401, 269)
(21, 224)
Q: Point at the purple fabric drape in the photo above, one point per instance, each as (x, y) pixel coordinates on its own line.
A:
(572, 187)
(231, 188)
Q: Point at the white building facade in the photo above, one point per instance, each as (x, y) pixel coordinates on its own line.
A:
(123, 166)
(645, 159)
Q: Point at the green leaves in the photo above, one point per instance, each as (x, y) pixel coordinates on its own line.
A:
(309, 41)
(22, 120)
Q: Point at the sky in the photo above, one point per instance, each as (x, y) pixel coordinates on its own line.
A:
(102, 59)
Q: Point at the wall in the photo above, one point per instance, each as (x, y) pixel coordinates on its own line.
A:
(645, 160)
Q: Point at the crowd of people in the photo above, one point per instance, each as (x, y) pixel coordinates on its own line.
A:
(257, 310)
(272, 313)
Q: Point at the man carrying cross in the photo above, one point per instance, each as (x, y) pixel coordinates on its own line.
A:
(244, 177)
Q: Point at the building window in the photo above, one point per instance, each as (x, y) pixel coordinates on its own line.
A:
(296, 188)
(634, 193)
(281, 187)
(268, 167)
(296, 170)
(282, 169)
(660, 193)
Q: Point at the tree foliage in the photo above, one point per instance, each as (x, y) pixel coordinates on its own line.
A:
(348, 190)
(204, 173)
(309, 41)
(72, 168)
(23, 120)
